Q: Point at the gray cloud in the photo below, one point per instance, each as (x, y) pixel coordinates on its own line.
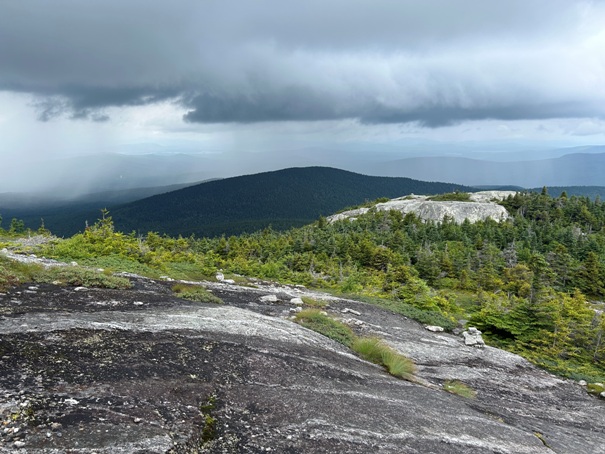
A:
(436, 62)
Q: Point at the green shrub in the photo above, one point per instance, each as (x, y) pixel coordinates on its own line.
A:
(459, 388)
(426, 317)
(196, 293)
(595, 388)
(313, 302)
(451, 197)
(79, 276)
(319, 322)
(13, 272)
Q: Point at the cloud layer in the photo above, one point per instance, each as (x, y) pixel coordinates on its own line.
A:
(435, 62)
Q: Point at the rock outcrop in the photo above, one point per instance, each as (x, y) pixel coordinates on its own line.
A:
(481, 206)
(140, 370)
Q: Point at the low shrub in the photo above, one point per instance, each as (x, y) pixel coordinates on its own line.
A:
(595, 388)
(196, 293)
(319, 322)
(311, 302)
(80, 276)
(13, 272)
(451, 197)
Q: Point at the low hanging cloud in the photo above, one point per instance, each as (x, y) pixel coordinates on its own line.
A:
(436, 62)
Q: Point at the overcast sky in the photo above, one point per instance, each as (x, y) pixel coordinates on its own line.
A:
(231, 76)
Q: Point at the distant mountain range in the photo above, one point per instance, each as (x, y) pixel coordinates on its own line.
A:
(68, 177)
(282, 199)
(580, 169)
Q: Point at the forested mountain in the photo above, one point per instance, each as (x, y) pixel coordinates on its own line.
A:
(282, 199)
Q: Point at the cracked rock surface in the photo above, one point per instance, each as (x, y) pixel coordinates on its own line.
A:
(479, 208)
(142, 371)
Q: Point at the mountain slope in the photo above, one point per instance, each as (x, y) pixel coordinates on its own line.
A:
(283, 199)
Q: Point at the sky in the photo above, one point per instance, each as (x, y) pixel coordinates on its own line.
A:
(225, 77)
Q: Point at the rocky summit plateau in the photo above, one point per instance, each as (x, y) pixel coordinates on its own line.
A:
(86, 370)
(479, 207)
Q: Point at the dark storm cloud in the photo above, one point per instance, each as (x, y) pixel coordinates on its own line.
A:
(435, 62)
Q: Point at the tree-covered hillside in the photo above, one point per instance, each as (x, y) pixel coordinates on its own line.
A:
(533, 284)
(282, 199)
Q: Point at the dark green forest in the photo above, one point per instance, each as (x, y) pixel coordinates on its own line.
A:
(533, 284)
(281, 199)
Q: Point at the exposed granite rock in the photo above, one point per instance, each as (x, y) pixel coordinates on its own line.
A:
(473, 338)
(480, 207)
(173, 376)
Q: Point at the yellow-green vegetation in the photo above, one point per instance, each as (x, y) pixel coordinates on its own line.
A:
(371, 349)
(196, 293)
(595, 388)
(13, 273)
(209, 430)
(459, 388)
(452, 197)
(79, 276)
(525, 283)
(375, 350)
(318, 321)
(312, 302)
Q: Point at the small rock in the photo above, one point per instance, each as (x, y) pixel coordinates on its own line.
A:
(19, 444)
(56, 426)
(80, 289)
(228, 281)
(582, 383)
(434, 328)
(74, 263)
(602, 395)
(269, 299)
(138, 303)
(298, 301)
(358, 322)
(346, 310)
(71, 401)
(472, 337)
(295, 309)
(137, 420)
(220, 276)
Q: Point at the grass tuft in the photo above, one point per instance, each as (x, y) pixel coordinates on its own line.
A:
(459, 388)
(378, 352)
(397, 364)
